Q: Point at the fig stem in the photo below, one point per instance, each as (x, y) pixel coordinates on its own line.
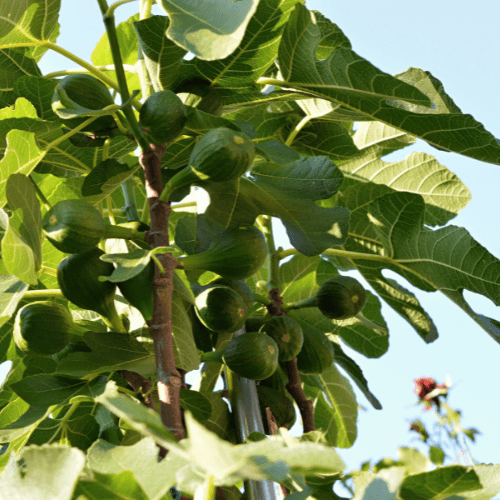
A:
(125, 233)
(180, 179)
(301, 304)
(261, 299)
(109, 202)
(72, 132)
(297, 129)
(40, 194)
(91, 69)
(145, 9)
(114, 321)
(283, 254)
(274, 261)
(41, 294)
(130, 209)
(215, 356)
(210, 372)
(114, 6)
(129, 68)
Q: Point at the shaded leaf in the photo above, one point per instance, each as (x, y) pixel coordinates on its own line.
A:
(105, 178)
(331, 36)
(265, 122)
(364, 239)
(110, 352)
(185, 234)
(443, 192)
(346, 78)
(367, 336)
(186, 354)
(331, 139)
(256, 52)
(277, 152)
(15, 64)
(200, 122)
(440, 483)
(448, 258)
(221, 420)
(335, 406)
(137, 416)
(163, 57)
(79, 432)
(354, 371)
(198, 404)
(122, 486)
(288, 192)
(48, 390)
(38, 91)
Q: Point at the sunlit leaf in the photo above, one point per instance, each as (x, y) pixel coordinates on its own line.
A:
(21, 157)
(49, 472)
(155, 478)
(202, 29)
(29, 22)
(11, 292)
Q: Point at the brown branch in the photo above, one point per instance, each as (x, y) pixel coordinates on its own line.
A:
(274, 308)
(273, 429)
(294, 387)
(169, 379)
(219, 494)
(139, 383)
(271, 422)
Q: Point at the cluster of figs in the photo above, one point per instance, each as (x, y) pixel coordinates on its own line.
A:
(225, 305)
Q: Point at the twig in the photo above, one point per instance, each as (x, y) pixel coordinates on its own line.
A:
(294, 387)
(139, 383)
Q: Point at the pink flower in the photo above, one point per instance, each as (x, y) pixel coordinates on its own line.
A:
(429, 391)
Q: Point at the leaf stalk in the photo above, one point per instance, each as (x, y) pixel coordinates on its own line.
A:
(109, 23)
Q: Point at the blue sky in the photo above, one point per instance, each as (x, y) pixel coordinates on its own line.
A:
(458, 45)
